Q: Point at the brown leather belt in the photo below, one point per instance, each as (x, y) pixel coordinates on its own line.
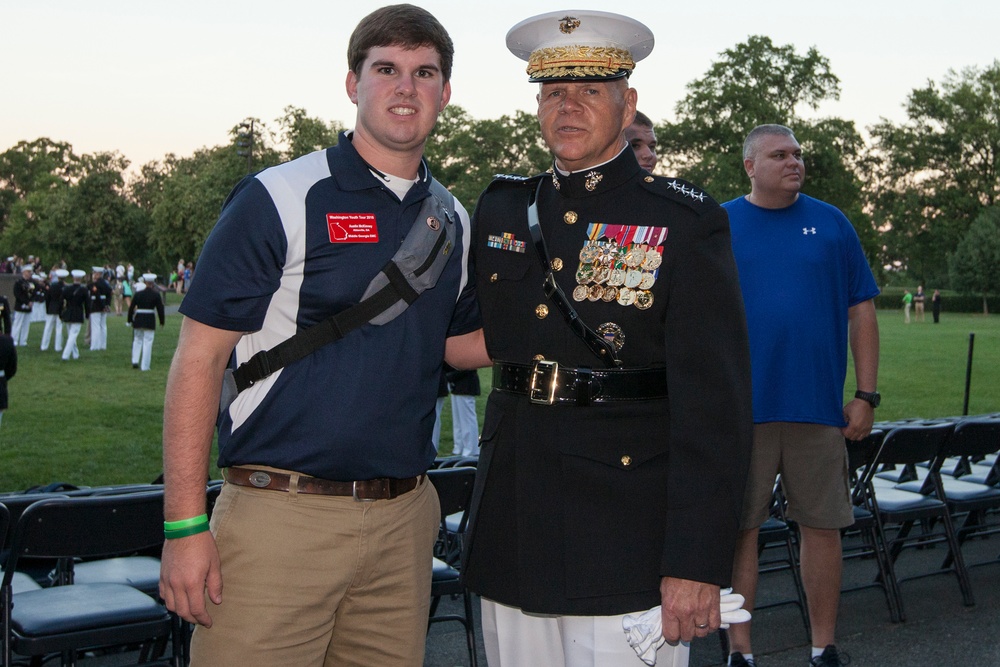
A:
(383, 488)
(547, 383)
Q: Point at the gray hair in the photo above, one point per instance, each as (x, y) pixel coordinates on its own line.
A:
(753, 139)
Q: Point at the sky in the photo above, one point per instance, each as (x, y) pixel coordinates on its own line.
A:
(150, 77)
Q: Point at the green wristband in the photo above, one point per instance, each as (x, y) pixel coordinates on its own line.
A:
(185, 523)
(185, 532)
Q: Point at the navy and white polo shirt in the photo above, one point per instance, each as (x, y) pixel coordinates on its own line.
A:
(295, 244)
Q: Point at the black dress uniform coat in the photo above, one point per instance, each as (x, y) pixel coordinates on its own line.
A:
(580, 510)
(76, 303)
(24, 292)
(53, 298)
(101, 294)
(147, 299)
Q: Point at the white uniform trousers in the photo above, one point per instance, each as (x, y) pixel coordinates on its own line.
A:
(142, 347)
(38, 311)
(71, 350)
(19, 328)
(52, 323)
(465, 425)
(516, 639)
(98, 331)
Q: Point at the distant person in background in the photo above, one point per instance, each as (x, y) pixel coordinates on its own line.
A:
(464, 387)
(641, 137)
(188, 276)
(142, 314)
(53, 309)
(24, 290)
(38, 297)
(100, 303)
(8, 367)
(918, 304)
(75, 310)
(907, 302)
(179, 280)
(936, 305)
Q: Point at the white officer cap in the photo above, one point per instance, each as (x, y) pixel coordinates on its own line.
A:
(62, 273)
(149, 277)
(28, 267)
(579, 45)
(79, 273)
(97, 269)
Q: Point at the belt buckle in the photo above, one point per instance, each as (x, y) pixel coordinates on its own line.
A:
(544, 379)
(358, 499)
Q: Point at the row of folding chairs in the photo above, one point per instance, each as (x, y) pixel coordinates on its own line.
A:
(81, 574)
(916, 484)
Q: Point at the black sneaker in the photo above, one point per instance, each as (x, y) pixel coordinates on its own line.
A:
(830, 658)
(737, 660)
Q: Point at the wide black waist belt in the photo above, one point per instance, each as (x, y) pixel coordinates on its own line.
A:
(547, 383)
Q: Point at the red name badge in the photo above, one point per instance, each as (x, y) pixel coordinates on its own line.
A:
(352, 227)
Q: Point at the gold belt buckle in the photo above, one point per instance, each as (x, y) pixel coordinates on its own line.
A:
(544, 380)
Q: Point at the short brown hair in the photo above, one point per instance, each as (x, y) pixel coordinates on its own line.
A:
(756, 134)
(408, 26)
(642, 119)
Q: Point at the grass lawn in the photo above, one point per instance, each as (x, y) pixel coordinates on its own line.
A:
(98, 421)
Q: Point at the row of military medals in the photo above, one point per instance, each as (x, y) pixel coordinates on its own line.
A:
(609, 272)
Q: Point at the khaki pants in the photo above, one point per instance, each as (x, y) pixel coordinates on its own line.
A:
(313, 580)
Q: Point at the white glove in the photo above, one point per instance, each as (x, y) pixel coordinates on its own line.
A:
(644, 632)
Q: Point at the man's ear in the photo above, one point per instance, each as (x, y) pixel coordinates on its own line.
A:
(352, 86)
(748, 165)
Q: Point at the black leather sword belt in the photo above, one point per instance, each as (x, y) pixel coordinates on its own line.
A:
(547, 383)
(383, 488)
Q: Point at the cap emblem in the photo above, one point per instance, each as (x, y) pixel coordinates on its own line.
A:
(568, 24)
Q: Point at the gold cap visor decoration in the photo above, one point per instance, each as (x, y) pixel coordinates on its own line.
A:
(579, 45)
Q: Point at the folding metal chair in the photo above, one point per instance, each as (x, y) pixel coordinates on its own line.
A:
(66, 619)
(454, 489)
(901, 510)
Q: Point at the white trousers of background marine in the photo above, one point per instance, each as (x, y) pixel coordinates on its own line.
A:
(19, 328)
(52, 322)
(71, 349)
(98, 331)
(142, 347)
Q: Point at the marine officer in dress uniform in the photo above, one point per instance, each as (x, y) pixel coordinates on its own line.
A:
(53, 309)
(101, 295)
(142, 313)
(24, 291)
(617, 436)
(76, 309)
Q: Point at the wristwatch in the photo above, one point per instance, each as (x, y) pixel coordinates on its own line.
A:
(873, 398)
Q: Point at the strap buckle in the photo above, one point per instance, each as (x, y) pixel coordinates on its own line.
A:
(544, 380)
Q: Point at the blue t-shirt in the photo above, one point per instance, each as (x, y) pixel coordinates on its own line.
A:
(801, 268)
(300, 242)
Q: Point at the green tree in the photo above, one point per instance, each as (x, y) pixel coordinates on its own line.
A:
(33, 166)
(465, 154)
(87, 221)
(975, 264)
(933, 174)
(302, 134)
(752, 83)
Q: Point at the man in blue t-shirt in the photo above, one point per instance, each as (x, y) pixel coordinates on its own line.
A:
(808, 292)
(324, 531)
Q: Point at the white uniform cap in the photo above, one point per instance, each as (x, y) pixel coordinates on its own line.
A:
(62, 273)
(579, 45)
(28, 267)
(79, 273)
(97, 269)
(149, 277)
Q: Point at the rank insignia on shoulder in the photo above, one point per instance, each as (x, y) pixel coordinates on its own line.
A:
(510, 178)
(687, 190)
(506, 241)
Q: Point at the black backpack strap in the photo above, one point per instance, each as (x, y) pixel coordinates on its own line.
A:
(413, 269)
